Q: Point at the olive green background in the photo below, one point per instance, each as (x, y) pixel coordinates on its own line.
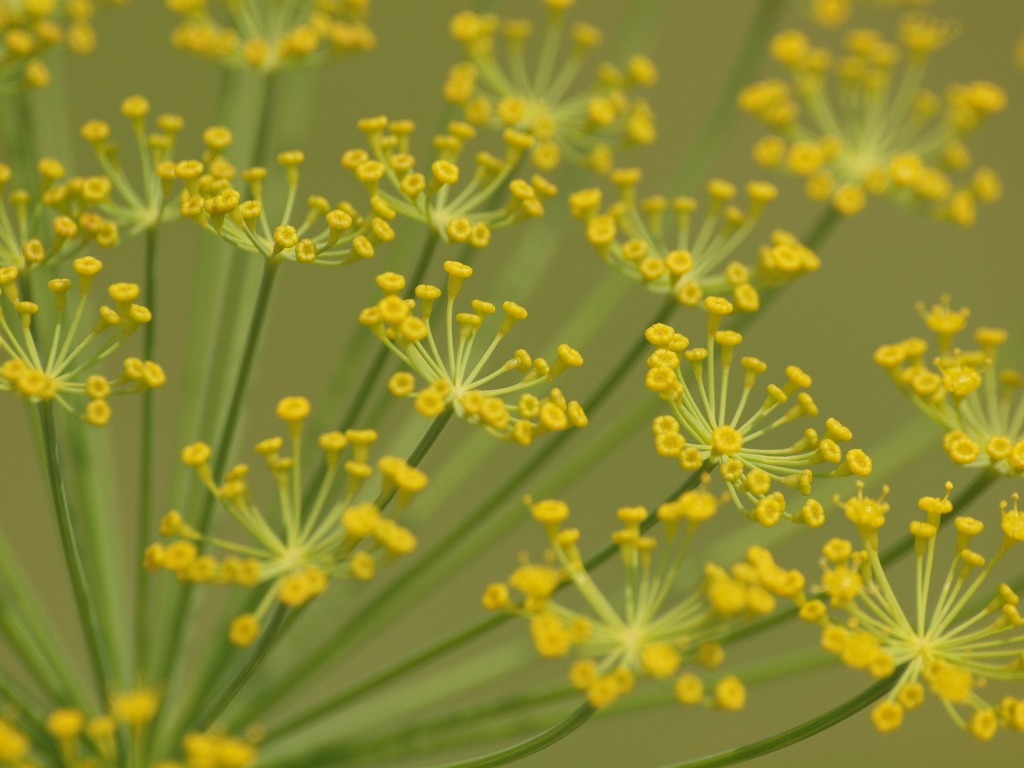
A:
(875, 266)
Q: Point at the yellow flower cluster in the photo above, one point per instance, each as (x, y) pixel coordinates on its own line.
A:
(952, 642)
(210, 199)
(458, 215)
(835, 13)
(581, 125)
(882, 133)
(327, 536)
(457, 379)
(655, 632)
(704, 429)
(272, 36)
(630, 236)
(84, 740)
(965, 391)
(135, 207)
(28, 28)
(14, 745)
(59, 371)
(55, 224)
(214, 750)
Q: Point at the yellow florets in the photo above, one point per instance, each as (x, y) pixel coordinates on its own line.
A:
(582, 127)
(653, 635)
(332, 536)
(948, 646)
(630, 236)
(454, 378)
(274, 38)
(965, 391)
(700, 431)
(59, 372)
(459, 201)
(886, 135)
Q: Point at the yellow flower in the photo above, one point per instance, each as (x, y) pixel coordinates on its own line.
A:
(270, 37)
(965, 391)
(60, 371)
(882, 133)
(703, 427)
(582, 125)
(630, 236)
(57, 222)
(655, 632)
(329, 535)
(950, 643)
(210, 198)
(461, 203)
(457, 378)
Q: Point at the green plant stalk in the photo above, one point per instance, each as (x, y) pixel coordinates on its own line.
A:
(525, 748)
(42, 638)
(717, 129)
(800, 732)
(84, 600)
(169, 660)
(243, 673)
(30, 718)
(145, 501)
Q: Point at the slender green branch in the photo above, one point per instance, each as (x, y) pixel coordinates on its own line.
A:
(243, 673)
(717, 128)
(223, 446)
(84, 601)
(798, 733)
(542, 740)
(145, 501)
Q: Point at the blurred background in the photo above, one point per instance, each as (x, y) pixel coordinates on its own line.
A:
(875, 267)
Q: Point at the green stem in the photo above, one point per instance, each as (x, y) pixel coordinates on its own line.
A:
(223, 448)
(542, 740)
(717, 128)
(243, 673)
(798, 733)
(84, 602)
(145, 502)
(822, 228)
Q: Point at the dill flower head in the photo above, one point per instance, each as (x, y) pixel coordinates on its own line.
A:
(487, 198)
(134, 205)
(652, 632)
(332, 536)
(630, 235)
(327, 234)
(60, 369)
(977, 401)
(705, 427)
(952, 638)
(28, 28)
(14, 744)
(583, 125)
(94, 739)
(54, 223)
(835, 13)
(456, 378)
(269, 37)
(880, 132)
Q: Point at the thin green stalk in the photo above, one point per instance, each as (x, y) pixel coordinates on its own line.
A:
(243, 673)
(84, 601)
(798, 733)
(223, 450)
(30, 719)
(717, 128)
(542, 740)
(145, 501)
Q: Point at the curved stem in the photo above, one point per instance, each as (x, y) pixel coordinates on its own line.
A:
(798, 733)
(542, 740)
(717, 128)
(242, 675)
(84, 602)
